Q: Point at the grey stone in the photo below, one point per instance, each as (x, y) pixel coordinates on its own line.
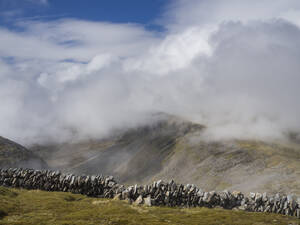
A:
(298, 213)
(118, 197)
(147, 201)
(139, 200)
(252, 195)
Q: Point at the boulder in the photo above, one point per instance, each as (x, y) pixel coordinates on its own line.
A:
(139, 200)
(148, 201)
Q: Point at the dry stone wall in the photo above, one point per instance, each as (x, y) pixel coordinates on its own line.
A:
(157, 194)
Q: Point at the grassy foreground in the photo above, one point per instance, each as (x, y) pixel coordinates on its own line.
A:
(40, 207)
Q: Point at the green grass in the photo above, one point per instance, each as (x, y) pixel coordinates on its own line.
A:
(40, 207)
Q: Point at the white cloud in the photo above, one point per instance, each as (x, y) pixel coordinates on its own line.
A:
(207, 12)
(219, 64)
(99, 62)
(292, 15)
(174, 52)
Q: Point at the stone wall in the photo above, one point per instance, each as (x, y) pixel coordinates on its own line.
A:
(159, 193)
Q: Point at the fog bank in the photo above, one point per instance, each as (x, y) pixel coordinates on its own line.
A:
(230, 65)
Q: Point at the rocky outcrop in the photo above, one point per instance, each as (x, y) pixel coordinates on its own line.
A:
(157, 194)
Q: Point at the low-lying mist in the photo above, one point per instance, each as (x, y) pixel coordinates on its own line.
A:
(235, 69)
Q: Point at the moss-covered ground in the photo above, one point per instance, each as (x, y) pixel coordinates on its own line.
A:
(40, 207)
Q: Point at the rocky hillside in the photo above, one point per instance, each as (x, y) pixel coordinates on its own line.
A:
(173, 149)
(15, 155)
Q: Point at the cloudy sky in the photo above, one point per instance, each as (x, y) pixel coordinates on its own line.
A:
(104, 65)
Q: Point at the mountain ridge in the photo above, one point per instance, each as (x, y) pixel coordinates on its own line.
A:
(173, 148)
(13, 154)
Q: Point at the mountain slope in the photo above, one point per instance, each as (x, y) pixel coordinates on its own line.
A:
(15, 155)
(174, 149)
(133, 156)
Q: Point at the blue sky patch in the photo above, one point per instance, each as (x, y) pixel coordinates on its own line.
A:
(116, 11)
